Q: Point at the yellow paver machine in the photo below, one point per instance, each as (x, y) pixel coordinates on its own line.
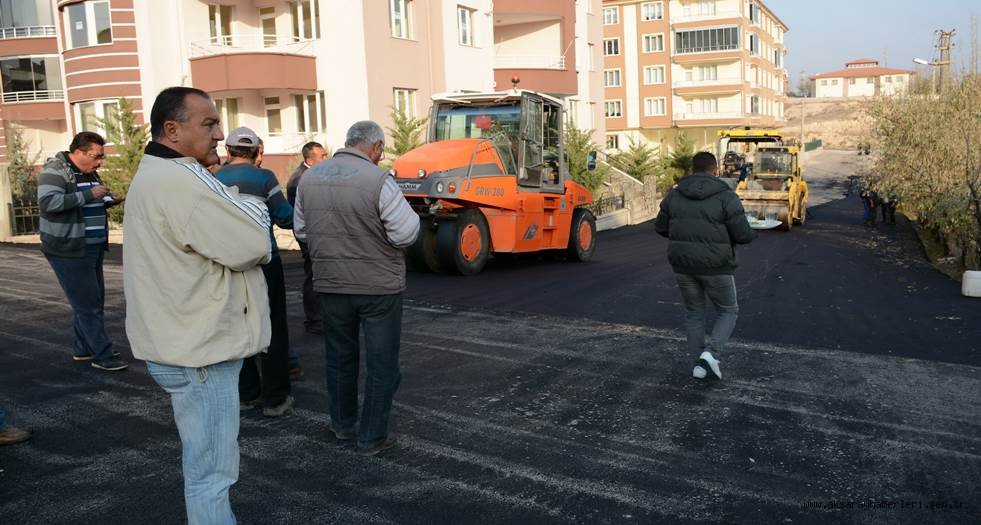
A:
(771, 186)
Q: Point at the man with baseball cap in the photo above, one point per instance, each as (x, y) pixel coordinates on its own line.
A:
(271, 388)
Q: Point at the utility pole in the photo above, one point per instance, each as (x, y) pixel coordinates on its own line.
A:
(802, 100)
(944, 62)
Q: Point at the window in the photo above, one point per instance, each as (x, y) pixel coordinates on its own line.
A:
(754, 13)
(777, 57)
(220, 24)
(274, 117)
(228, 113)
(611, 78)
(305, 16)
(870, 80)
(834, 82)
(405, 101)
(572, 113)
(96, 115)
(614, 108)
(888, 80)
(754, 44)
(20, 13)
(401, 18)
(754, 105)
(267, 19)
(652, 11)
(88, 24)
(702, 73)
(31, 78)
(700, 41)
(653, 43)
(703, 105)
(851, 81)
(824, 82)
(613, 142)
(655, 107)
(611, 16)
(698, 9)
(611, 46)
(653, 75)
(900, 79)
(307, 115)
(592, 55)
(465, 18)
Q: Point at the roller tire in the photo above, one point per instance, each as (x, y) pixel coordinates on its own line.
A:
(582, 236)
(463, 246)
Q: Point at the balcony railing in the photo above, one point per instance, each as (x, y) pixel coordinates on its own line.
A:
(698, 17)
(529, 62)
(33, 96)
(27, 32)
(724, 81)
(707, 116)
(250, 44)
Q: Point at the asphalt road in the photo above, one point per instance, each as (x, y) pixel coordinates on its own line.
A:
(549, 392)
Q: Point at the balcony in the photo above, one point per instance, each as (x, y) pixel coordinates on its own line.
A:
(709, 116)
(33, 105)
(724, 81)
(529, 62)
(226, 44)
(28, 32)
(33, 96)
(253, 62)
(718, 15)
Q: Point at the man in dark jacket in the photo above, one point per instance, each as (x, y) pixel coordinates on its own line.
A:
(704, 220)
(263, 381)
(313, 152)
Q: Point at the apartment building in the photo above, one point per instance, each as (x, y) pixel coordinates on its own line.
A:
(293, 70)
(862, 78)
(692, 65)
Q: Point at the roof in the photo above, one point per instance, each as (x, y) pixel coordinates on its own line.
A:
(862, 61)
(494, 96)
(858, 72)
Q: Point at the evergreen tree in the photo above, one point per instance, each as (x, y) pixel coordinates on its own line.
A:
(678, 163)
(640, 160)
(20, 166)
(129, 139)
(407, 134)
(578, 145)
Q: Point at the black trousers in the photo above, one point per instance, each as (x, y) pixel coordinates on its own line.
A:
(311, 302)
(379, 317)
(268, 375)
(888, 213)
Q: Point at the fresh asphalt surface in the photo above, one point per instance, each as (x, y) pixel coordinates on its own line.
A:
(543, 391)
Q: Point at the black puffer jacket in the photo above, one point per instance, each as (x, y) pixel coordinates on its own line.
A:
(704, 220)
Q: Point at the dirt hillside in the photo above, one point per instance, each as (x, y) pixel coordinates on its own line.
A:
(839, 123)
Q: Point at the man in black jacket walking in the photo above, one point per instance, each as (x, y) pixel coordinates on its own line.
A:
(704, 220)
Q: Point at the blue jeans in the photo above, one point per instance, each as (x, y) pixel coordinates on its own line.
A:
(721, 290)
(84, 286)
(381, 318)
(205, 402)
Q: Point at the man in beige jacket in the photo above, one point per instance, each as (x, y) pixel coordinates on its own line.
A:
(195, 294)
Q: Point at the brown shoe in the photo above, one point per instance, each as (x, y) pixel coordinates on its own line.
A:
(11, 435)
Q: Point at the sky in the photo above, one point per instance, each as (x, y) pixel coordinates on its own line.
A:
(827, 33)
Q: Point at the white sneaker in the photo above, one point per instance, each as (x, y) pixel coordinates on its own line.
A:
(708, 362)
(698, 372)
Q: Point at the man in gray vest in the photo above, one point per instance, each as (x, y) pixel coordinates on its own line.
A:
(356, 223)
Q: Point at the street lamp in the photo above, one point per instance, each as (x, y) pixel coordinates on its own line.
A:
(933, 72)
